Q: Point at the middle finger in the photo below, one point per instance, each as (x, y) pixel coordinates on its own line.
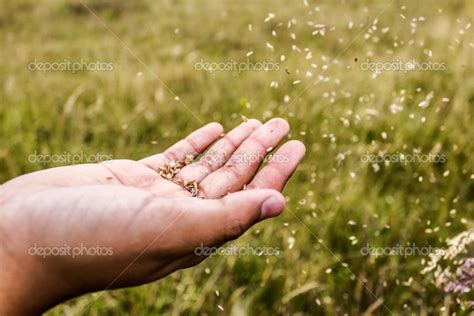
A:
(243, 164)
(220, 152)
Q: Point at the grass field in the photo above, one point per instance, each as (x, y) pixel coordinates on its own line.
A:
(338, 203)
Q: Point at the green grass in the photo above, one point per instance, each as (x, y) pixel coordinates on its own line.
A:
(127, 115)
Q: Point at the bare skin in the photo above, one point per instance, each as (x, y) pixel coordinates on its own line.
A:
(150, 225)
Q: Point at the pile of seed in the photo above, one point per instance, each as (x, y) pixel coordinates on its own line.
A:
(171, 169)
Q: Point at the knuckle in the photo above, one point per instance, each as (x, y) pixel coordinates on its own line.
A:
(170, 155)
(230, 141)
(232, 169)
(203, 165)
(204, 190)
(276, 173)
(192, 143)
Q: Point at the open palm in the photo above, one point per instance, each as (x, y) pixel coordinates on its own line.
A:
(151, 224)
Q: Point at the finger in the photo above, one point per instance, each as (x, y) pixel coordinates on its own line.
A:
(213, 222)
(243, 164)
(280, 167)
(220, 152)
(195, 143)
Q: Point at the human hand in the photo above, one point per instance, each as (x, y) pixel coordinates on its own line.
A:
(152, 225)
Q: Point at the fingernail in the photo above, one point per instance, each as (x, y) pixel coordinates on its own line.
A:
(271, 207)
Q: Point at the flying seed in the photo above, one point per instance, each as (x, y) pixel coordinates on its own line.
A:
(269, 17)
(423, 104)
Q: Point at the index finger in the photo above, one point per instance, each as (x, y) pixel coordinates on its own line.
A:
(193, 144)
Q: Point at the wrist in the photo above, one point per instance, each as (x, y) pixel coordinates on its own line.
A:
(14, 299)
(25, 284)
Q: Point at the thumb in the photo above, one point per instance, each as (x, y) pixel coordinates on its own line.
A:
(218, 221)
(254, 205)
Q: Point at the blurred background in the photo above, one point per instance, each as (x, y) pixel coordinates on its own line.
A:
(381, 93)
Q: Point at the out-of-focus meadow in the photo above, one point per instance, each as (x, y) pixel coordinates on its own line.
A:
(338, 201)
